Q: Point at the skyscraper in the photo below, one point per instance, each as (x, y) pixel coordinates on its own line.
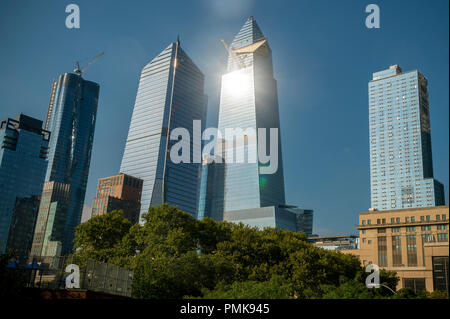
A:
(71, 118)
(119, 192)
(401, 167)
(23, 161)
(249, 99)
(233, 187)
(170, 95)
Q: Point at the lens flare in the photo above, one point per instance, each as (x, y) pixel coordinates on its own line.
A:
(237, 83)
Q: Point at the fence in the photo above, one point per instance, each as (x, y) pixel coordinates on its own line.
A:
(49, 272)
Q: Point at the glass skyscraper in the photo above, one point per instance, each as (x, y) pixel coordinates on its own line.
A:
(401, 167)
(71, 119)
(23, 161)
(249, 99)
(170, 95)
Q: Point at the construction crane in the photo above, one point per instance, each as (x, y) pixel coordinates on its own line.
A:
(79, 71)
(233, 55)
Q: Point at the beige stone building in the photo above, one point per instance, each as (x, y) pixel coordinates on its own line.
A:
(412, 242)
(118, 192)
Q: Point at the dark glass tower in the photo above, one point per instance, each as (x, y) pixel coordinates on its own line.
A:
(71, 118)
(23, 161)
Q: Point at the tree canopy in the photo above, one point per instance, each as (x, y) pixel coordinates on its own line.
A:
(174, 255)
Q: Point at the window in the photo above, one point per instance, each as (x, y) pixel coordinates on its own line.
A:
(382, 251)
(369, 242)
(363, 222)
(438, 217)
(407, 219)
(397, 251)
(426, 228)
(427, 238)
(442, 237)
(363, 231)
(442, 227)
(444, 217)
(369, 222)
(440, 273)
(397, 219)
(410, 229)
(416, 284)
(392, 220)
(428, 218)
(411, 250)
(422, 218)
(413, 219)
(396, 229)
(378, 221)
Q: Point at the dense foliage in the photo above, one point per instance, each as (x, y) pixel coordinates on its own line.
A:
(174, 255)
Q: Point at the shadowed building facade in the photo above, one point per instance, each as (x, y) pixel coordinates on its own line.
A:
(23, 223)
(51, 221)
(170, 95)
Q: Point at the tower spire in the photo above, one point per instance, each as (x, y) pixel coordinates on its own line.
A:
(250, 33)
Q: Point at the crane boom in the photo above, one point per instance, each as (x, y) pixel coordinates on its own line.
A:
(233, 55)
(77, 68)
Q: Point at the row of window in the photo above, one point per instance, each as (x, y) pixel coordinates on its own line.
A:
(412, 219)
(428, 238)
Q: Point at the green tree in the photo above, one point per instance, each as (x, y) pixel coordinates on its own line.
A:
(275, 288)
(176, 255)
(172, 277)
(101, 236)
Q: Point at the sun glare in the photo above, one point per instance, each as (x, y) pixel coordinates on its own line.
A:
(237, 83)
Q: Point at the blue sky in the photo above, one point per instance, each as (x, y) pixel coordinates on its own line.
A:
(323, 58)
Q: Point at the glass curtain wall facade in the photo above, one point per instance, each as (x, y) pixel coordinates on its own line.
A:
(170, 95)
(23, 161)
(249, 99)
(401, 168)
(71, 118)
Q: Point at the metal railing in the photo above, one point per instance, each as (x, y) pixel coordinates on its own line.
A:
(50, 272)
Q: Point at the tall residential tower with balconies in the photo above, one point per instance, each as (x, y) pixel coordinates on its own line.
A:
(401, 167)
